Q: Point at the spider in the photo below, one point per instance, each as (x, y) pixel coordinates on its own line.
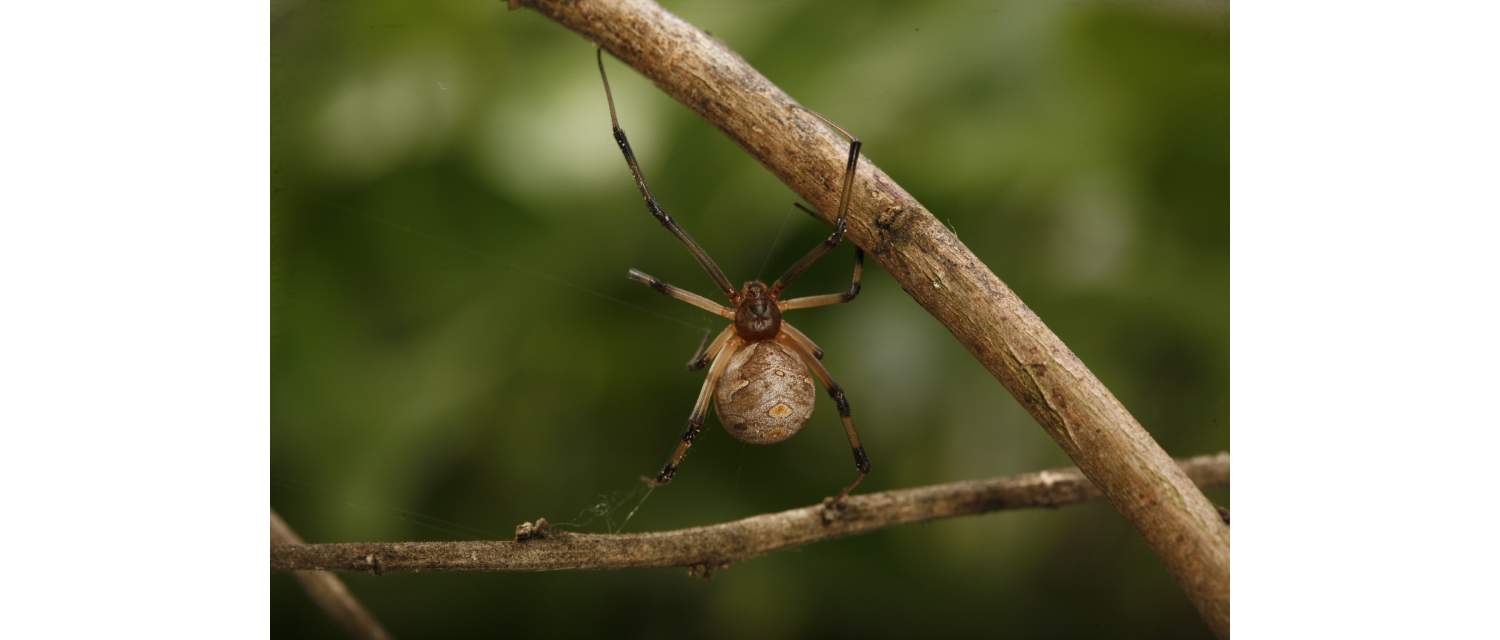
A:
(757, 366)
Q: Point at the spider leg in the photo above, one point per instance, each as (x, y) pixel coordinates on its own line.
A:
(699, 254)
(700, 409)
(839, 223)
(681, 294)
(831, 298)
(802, 338)
(861, 461)
(703, 356)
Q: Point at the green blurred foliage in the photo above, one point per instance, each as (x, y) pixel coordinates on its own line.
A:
(455, 348)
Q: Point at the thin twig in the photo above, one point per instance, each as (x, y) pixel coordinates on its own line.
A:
(716, 546)
(937, 270)
(328, 591)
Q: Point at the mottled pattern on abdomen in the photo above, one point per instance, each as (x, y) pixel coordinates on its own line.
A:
(766, 394)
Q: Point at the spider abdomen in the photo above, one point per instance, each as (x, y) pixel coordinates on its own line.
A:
(765, 395)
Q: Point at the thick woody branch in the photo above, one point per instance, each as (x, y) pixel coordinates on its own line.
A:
(938, 271)
(329, 592)
(713, 547)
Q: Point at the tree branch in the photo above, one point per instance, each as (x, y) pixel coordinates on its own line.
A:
(328, 591)
(705, 549)
(937, 270)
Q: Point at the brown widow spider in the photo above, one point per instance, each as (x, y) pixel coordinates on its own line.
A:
(758, 376)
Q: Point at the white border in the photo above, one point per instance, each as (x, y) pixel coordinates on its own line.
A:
(1363, 351)
(134, 338)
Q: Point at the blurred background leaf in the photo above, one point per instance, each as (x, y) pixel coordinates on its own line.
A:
(455, 347)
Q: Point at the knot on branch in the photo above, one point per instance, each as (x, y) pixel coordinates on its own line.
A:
(706, 570)
(530, 530)
(373, 565)
(833, 510)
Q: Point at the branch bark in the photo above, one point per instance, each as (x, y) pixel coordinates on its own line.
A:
(714, 547)
(329, 592)
(939, 272)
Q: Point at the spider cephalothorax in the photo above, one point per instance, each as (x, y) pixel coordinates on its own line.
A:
(756, 316)
(758, 366)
